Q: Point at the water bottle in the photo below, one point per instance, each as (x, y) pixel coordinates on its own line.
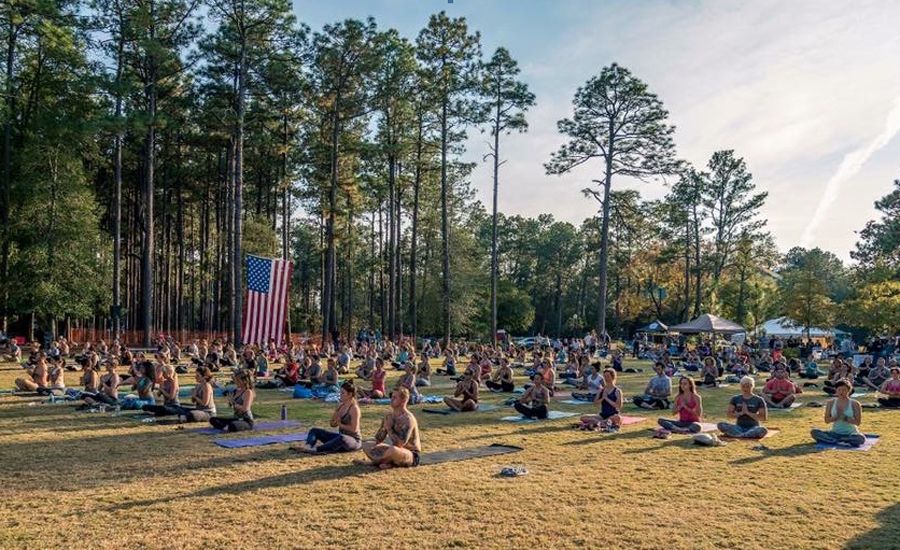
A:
(51, 399)
(284, 412)
(117, 410)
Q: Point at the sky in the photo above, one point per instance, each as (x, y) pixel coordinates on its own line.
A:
(807, 92)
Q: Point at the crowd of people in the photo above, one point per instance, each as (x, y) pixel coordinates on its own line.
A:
(151, 378)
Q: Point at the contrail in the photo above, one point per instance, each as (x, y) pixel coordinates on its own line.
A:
(850, 166)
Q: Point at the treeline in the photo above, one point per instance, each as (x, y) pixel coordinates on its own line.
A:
(146, 153)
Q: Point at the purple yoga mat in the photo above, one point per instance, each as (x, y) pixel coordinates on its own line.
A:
(257, 427)
(261, 440)
(871, 440)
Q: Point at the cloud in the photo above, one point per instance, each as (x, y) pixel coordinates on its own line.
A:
(849, 167)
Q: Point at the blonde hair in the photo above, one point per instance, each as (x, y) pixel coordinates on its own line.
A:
(748, 380)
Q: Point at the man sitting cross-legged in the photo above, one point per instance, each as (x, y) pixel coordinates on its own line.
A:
(779, 390)
(400, 428)
(749, 410)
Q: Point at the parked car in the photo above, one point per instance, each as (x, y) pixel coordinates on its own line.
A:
(530, 341)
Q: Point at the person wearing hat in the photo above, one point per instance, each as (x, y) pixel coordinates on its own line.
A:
(465, 397)
(891, 390)
(749, 411)
(845, 415)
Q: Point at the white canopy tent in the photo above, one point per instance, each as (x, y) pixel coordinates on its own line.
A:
(784, 327)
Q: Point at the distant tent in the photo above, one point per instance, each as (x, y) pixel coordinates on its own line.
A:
(656, 327)
(786, 328)
(708, 323)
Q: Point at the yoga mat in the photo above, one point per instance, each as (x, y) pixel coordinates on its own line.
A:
(483, 407)
(258, 441)
(576, 402)
(455, 455)
(705, 427)
(871, 440)
(628, 420)
(795, 405)
(257, 427)
(771, 433)
(552, 415)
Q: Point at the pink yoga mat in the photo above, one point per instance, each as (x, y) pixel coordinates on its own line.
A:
(627, 420)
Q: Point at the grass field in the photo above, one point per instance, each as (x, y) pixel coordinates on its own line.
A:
(92, 480)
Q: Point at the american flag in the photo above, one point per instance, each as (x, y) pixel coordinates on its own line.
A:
(266, 307)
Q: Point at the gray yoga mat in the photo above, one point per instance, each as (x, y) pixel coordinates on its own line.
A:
(455, 455)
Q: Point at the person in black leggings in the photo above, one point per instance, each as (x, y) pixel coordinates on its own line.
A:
(346, 419)
(533, 403)
(502, 379)
(241, 402)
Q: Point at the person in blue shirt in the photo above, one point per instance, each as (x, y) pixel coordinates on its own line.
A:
(656, 394)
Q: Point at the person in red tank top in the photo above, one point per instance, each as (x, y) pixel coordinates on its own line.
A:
(689, 408)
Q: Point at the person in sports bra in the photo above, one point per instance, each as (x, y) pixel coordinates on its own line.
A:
(346, 419)
(465, 397)
(38, 377)
(533, 403)
(689, 408)
(502, 379)
(845, 416)
(204, 405)
(423, 374)
(168, 390)
(611, 401)
(401, 430)
(143, 385)
(378, 376)
(891, 390)
(109, 387)
(241, 402)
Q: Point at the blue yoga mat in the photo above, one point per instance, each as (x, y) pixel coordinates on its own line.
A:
(257, 427)
(258, 441)
(552, 415)
(871, 440)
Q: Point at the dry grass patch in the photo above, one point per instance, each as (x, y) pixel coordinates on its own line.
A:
(79, 479)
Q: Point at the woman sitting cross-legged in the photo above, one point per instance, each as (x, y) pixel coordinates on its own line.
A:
(401, 430)
(592, 383)
(533, 403)
(346, 419)
(710, 373)
(378, 376)
(891, 390)
(749, 410)
(845, 414)
(168, 390)
(143, 385)
(423, 374)
(502, 378)
(109, 387)
(204, 406)
(611, 401)
(241, 402)
(465, 398)
(688, 407)
(38, 377)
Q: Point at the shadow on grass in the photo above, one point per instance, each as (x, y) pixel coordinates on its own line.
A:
(798, 449)
(632, 434)
(886, 536)
(321, 473)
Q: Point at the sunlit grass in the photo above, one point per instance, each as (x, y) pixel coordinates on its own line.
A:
(78, 479)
